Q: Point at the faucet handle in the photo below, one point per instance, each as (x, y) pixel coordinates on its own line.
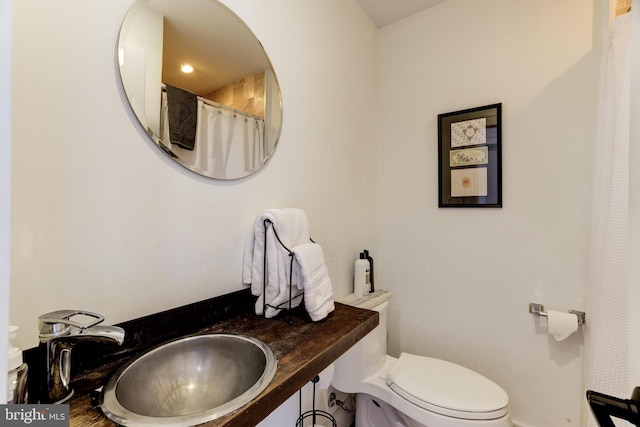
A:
(59, 322)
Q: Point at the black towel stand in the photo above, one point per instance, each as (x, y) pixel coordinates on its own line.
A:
(267, 223)
(313, 413)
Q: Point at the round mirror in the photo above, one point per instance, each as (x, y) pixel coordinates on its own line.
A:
(201, 85)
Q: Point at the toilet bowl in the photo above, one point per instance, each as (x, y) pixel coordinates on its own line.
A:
(413, 391)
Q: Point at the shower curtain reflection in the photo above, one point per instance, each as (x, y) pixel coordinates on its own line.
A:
(228, 143)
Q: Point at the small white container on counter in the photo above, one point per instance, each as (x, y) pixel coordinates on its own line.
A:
(17, 372)
(361, 276)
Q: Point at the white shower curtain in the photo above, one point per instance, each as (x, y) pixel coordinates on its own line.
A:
(227, 145)
(606, 338)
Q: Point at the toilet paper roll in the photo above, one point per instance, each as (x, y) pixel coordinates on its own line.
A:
(561, 325)
(326, 377)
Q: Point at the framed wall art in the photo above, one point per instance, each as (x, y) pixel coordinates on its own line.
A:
(470, 158)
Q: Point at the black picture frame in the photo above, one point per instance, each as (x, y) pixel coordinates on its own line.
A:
(470, 158)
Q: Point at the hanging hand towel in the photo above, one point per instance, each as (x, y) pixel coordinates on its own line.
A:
(183, 117)
(318, 290)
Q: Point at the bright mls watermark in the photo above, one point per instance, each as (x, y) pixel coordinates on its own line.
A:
(34, 415)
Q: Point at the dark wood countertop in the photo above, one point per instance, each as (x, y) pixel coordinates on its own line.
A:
(303, 350)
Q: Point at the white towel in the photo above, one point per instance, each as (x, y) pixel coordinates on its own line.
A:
(292, 227)
(309, 265)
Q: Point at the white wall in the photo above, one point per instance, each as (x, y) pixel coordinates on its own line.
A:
(102, 221)
(463, 278)
(5, 184)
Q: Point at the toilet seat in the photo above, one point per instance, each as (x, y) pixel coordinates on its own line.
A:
(446, 388)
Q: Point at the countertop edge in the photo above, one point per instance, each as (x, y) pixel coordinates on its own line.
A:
(314, 366)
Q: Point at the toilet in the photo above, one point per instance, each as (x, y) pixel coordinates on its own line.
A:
(413, 391)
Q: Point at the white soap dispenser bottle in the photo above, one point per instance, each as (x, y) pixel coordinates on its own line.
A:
(17, 372)
(361, 273)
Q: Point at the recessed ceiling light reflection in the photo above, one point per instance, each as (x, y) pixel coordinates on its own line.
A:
(186, 68)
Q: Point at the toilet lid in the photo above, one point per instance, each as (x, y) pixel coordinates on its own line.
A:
(446, 388)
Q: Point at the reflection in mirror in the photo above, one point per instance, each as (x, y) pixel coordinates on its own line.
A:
(201, 85)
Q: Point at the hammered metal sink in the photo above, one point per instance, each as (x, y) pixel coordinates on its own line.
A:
(189, 381)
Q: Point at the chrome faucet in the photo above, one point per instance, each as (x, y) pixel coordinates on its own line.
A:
(58, 334)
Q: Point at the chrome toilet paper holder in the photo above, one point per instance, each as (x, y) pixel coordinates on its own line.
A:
(538, 310)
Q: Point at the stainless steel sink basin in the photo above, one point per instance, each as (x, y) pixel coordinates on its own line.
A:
(189, 381)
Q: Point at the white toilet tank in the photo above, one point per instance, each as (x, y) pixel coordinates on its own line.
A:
(369, 354)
